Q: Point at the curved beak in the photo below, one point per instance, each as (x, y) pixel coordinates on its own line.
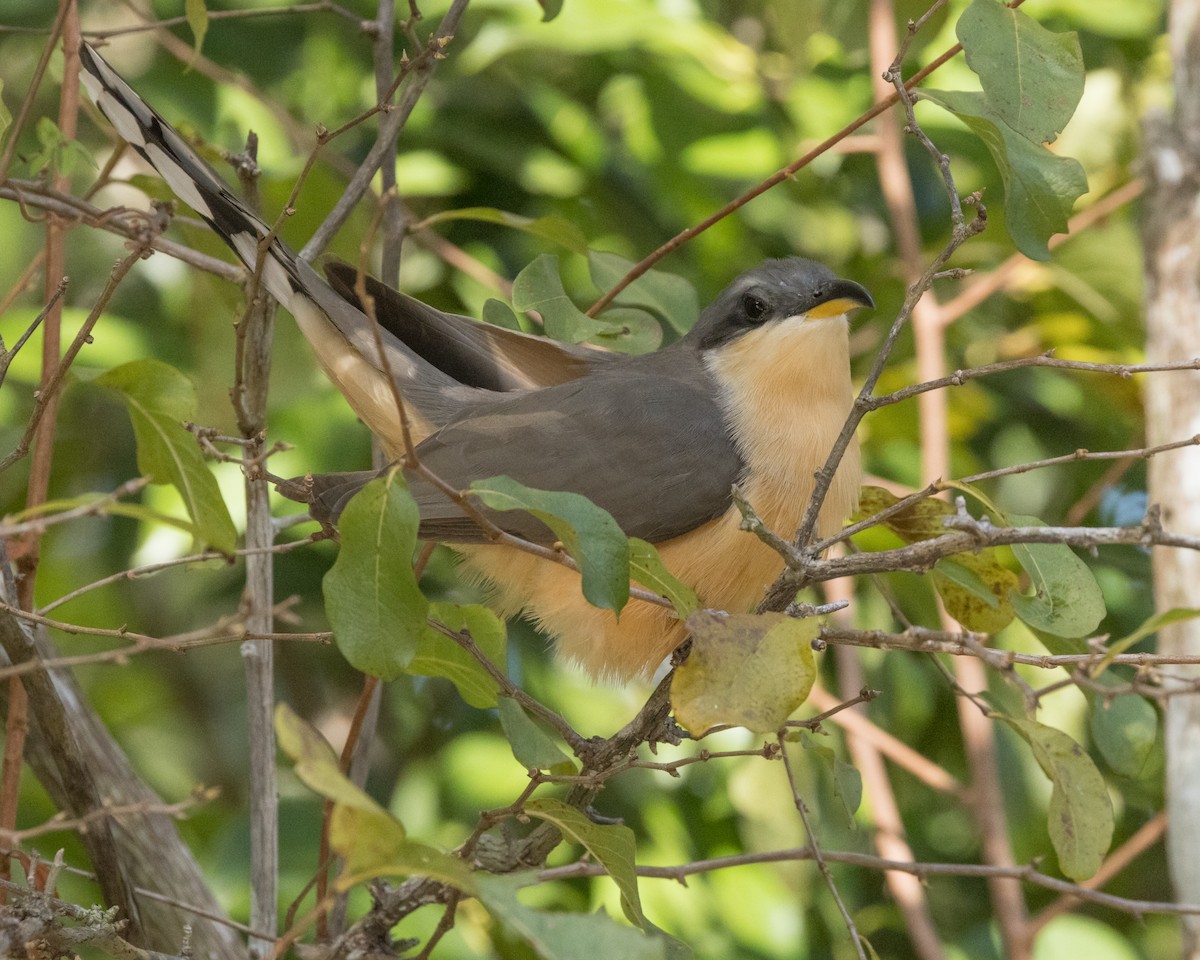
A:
(842, 297)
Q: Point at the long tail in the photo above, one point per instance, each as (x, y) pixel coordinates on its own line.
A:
(192, 179)
(342, 337)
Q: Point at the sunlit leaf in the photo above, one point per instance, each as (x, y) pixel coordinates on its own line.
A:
(974, 587)
(159, 398)
(1080, 818)
(531, 745)
(372, 598)
(1149, 627)
(590, 536)
(744, 670)
(58, 153)
(370, 840)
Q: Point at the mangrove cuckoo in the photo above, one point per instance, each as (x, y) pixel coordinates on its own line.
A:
(755, 394)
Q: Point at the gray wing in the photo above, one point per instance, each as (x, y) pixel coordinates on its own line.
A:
(472, 353)
(648, 445)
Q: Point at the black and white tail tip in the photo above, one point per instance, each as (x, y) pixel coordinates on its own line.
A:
(188, 175)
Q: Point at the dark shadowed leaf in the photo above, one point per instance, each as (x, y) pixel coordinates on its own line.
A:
(550, 9)
(499, 314)
(531, 745)
(5, 116)
(438, 655)
(846, 780)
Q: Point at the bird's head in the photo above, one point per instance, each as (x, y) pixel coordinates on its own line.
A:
(778, 294)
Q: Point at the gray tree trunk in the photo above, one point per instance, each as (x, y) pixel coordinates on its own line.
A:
(1172, 240)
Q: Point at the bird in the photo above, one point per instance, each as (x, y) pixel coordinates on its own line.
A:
(755, 394)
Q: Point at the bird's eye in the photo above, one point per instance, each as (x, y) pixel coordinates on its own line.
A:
(755, 307)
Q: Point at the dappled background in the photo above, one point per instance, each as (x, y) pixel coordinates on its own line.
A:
(630, 121)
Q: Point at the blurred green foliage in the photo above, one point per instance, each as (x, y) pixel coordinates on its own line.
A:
(631, 120)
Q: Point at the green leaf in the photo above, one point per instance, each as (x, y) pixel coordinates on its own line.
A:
(553, 228)
(58, 153)
(564, 936)
(1067, 601)
(1150, 626)
(5, 116)
(631, 330)
(197, 20)
(101, 504)
(612, 845)
(921, 520)
(997, 515)
(847, 781)
(647, 569)
(531, 745)
(746, 670)
(847, 785)
(437, 655)
(370, 840)
(590, 535)
(500, 314)
(665, 294)
(1125, 730)
(1033, 77)
(158, 398)
(975, 589)
(550, 9)
(1040, 188)
(539, 287)
(372, 598)
(316, 766)
(1080, 817)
